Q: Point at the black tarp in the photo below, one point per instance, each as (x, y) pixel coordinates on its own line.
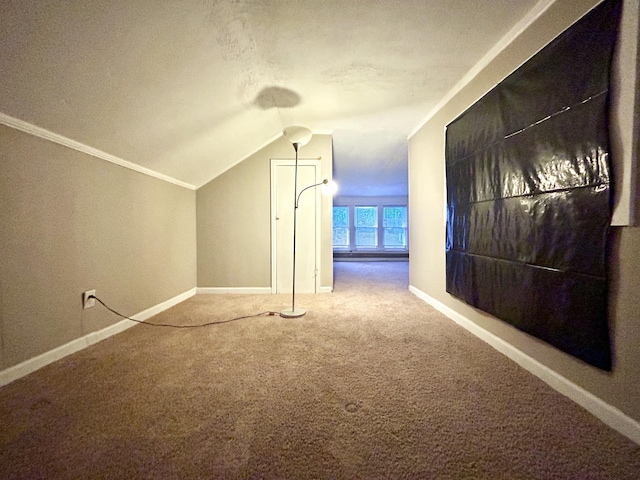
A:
(528, 193)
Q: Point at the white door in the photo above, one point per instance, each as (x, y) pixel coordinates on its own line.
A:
(307, 229)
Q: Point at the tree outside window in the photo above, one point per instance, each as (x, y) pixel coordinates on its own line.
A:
(370, 227)
(394, 222)
(366, 222)
(341, 227)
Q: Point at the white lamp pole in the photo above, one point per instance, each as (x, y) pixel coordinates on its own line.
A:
(297, 136)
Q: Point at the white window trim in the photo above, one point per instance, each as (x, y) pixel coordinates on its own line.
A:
(379, 202)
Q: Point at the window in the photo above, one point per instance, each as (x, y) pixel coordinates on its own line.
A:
(394, 222)
(371, 225)
(366, 222)
(341, 227)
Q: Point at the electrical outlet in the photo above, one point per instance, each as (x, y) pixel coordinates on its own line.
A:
(86, 301)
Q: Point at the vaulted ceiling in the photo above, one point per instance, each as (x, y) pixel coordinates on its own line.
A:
(188, 88)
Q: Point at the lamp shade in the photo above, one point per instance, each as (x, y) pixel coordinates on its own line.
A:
(297, 135)
(329, 187)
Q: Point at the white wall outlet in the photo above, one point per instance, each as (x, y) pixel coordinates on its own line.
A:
(86, 301)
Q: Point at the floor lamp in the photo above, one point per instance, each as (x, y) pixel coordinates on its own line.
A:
(297, 136)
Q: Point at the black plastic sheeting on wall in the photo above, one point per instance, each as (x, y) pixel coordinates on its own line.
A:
(528, 193)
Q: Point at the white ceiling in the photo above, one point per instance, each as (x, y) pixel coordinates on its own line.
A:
(188, 88)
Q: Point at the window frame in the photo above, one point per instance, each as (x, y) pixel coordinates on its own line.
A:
(405, 228)
(348, 228)
(380, 203)
(376, 227)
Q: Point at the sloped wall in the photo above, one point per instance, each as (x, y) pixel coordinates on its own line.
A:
(234, 219)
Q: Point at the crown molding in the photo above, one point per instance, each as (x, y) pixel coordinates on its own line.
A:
(526, 21)
(253, 152)
(45, 134)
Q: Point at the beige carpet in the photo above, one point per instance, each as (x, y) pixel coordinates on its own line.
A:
(371, 383)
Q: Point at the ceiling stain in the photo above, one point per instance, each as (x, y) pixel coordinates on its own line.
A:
(276, 97)
(189, 88)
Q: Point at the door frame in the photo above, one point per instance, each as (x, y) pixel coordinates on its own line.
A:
(317, 192)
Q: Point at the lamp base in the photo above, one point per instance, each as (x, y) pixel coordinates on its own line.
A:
(298, 312)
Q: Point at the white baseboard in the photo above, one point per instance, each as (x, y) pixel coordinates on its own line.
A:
(607, 413)
(29, 366)
(246, 290)
(238, 290)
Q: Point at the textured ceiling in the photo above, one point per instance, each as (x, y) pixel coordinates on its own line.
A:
(188, 88)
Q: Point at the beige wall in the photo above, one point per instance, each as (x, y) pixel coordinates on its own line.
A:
(70, 222)
(234, 219)
(620, 387)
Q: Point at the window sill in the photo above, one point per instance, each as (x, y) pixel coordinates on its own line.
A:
(402, 256)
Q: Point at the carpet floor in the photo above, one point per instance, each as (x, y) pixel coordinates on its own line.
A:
(370, 383)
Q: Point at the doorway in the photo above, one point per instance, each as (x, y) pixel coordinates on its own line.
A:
(307, 231)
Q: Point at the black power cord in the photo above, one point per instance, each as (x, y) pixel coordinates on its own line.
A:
(262, 314)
